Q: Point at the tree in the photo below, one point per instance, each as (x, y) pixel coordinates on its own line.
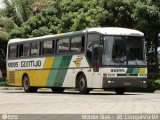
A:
(147, 19)
(119, 13)
(6, 25)
(18, 10)
(81, 14)
(59, 17)
(10, 11)
(42, 23)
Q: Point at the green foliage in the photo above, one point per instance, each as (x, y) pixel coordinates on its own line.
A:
(6, 23)
(3, 79)
(11, 12)
(153, 76)
(3, 82)
(24, 8)
(18, 10)
(42, 23)
(146, 16)
(4, 35)
(41, 31)
(157, 84)
(62, 18)
(119, 13)
(151, 87)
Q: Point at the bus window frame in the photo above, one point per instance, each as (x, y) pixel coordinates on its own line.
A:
(62, 43)
(86, 49)
(23, 49)
(41, 47)
(12, 58)
(81, 43)
(39, 41)
(70, 37)
(143, 46)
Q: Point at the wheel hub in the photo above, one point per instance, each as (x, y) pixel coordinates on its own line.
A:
(82, 83)
(26, 84)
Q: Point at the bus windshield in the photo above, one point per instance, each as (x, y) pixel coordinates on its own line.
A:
(123, 50)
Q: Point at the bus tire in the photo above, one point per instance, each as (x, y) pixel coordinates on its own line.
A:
(57, 89)
(26, 85)
(120, 91)
(82, 84)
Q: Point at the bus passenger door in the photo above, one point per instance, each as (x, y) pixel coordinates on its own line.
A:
(96, 61)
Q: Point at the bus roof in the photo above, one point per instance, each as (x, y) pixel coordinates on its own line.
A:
(116, 31)
(104, 31)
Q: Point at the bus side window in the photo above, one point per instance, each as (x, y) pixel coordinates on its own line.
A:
(12, 51)
(34, 48)
(26, 49)
(63, 45)
(47, 47)
(77, 44)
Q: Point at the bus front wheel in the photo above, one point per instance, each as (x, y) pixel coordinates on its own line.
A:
(120, 91)
(82, 85)
(26, 85)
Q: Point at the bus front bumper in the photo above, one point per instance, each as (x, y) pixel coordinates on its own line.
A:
(124, 82)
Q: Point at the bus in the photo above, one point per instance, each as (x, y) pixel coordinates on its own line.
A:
(94, 58)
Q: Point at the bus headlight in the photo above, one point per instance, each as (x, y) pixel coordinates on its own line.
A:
(143, 81)
(110, 81)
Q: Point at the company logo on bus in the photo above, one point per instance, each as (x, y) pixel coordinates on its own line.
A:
(78, 61)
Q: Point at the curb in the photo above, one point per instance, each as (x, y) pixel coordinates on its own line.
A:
(10, 88)
(17, 88)
(20, 88)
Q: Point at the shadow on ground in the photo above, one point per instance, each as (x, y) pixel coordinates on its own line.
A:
(72, 93)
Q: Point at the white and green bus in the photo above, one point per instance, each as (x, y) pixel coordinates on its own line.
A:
(95, 58)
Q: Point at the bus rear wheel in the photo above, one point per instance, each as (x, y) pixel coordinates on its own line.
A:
(57, 89)
(82, 85)
(120, 91)
(26, 85)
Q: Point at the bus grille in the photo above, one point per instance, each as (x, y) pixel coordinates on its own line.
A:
(11, 77)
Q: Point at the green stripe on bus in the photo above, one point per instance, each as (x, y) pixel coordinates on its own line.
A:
(133, 70)
(53, 73)
(130, 70)
(62, 72)
(57, 76)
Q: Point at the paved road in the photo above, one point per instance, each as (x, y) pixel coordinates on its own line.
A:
(45, 102)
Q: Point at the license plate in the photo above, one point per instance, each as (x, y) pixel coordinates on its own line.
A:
(127, 84)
